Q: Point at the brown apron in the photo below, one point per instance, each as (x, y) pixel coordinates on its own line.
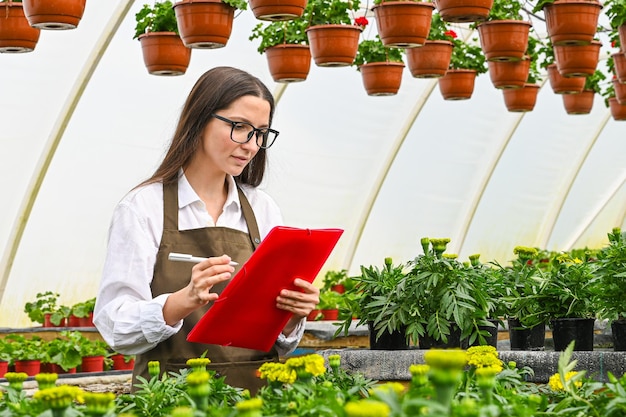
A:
(237, 365)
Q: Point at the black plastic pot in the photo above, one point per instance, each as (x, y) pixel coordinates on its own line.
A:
(523, 338)
(618, 329)
(387, 341)
(579, 330)
(492, 340)
(454, 340)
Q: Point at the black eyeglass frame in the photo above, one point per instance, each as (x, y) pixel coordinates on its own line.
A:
(260, 133)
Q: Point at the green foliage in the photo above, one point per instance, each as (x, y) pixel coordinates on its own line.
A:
(594, 82)
(24, 349)
(157, 18)
(532, 52)
(506, 10)
(330, 300)
(45, 303)
(83, 308)
(374, 51)
(334, 278)
(468, 56)
(337, 12)
(611, 273)
(439, 29)
(237, 4)
(283, 32)
(615, 10)
(541, 4)
(65, 350)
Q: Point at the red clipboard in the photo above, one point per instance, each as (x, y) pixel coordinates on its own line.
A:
(245, 315)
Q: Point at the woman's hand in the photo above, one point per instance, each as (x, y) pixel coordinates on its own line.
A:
(300, 303)
(204, 276)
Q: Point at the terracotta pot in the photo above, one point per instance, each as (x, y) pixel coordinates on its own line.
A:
(119, 364)
(577, 60)
(30, 368)
(457, 84)
(618, 111)
(205, 24)
(289, 63)
(16, 34)
(48, 323)
(92, 364)
(164, 53)
(509, 74)
(338, 288)
(620, 91)
(55, 369)
(382, 78)
(564, 85)
(620, 66)
(314, 315)
(580, 103)
(330, 314)
(621, 30)
(86, 321)
(4, 368)
(521, 99)
(333, 45)
(504, 40)
(54, 15)
(431, 60)
(463, 11)
(275, 10)
(572, 22)
(403, 24)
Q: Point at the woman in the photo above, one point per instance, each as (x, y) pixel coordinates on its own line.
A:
(202, 200)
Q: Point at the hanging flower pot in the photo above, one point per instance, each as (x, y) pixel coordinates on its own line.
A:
(521, 99)
(463, 11)
(333, 45)
(54, 15)
(457, 84)
(620, 91)
(580, 103)
(382, 78)
(205, 24)
(16, 34)
(621, 30)
(504, 40)
(403, 24)
(577, 60)
(618, 111)
(619, 61)
(564, 85)
(289, 63)
(431, 60)
(572, 22)
(275, 10)
(164, 53)
(509, 74)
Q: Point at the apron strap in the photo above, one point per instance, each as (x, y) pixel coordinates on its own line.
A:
(170, 206)
(248, 214)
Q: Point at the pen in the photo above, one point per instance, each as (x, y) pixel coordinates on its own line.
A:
(185, 257)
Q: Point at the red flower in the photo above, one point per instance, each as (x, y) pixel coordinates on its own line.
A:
(613, 44)
(361, 21)
(450, 33)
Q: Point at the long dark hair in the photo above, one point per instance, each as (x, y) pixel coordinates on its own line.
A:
(215, 90)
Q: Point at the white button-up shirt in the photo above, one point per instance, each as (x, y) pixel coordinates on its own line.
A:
(127, 316)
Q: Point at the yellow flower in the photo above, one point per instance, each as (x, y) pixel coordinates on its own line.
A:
(277, 372)
(367, 408)
(450, 255)
(249, 405)
(525, 252)
(58, 398)
(484, 357)
(98, 403)
(556, 384)
(396, 387)
(446, 359)
(198, 364)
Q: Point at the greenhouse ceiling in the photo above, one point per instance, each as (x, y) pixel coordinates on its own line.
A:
(83, 122)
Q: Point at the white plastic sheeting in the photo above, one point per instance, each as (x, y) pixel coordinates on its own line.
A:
(388, 170)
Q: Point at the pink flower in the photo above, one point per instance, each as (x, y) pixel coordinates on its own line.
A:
(450, 33)
(361, 21)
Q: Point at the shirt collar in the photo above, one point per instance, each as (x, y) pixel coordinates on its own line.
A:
(187, 195)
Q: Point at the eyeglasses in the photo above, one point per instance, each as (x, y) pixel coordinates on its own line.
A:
(242, 132)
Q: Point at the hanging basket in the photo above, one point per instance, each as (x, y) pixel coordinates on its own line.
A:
(504, 40)
(580, 103)
(204, 24)
(618, 111)
(457, 84)
(619, 61)
(54, 15)
(431, 60)
(463, 11)
(523, 99)
(620, 91)
(333, 45)
(382, 78)
(572, 22)
(275, 10)
(16, 34)
(164, 53)
(403, 24)
(564, 85)
(577, 60)
(621, 30)
(289, 63)
(509, 74)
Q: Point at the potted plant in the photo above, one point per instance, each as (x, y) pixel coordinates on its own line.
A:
(333, 37)
(54, 15)
(380, 67)
(403, 24)
(93, 352)
(277, 10)
(615, 10)
(285, 44)
(206, 24)
(570, 22)
(157, 30)
(577, 60)
(45, 309)
(81, 313)
(328, 307)
(582, 102)
(64, 352)
(559, 83)
(433, 59)
(504, 35)
(122, 362)
(464, 11)
(27, 353)
(618, 110)
(611, 295)
(337, 281)
(466, 63)
(524, 98)
(16, 34)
